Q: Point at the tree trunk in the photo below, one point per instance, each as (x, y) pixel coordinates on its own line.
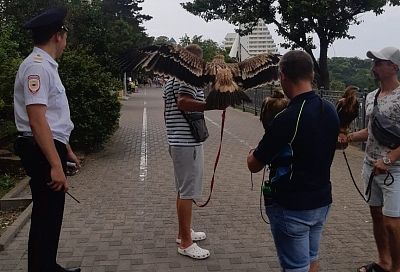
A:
(323, 65)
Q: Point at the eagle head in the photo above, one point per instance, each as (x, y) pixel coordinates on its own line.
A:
(271, 106)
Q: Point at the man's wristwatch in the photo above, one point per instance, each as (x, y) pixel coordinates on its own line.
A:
(386, 160)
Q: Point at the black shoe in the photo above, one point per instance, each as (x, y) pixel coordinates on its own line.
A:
(59, 268)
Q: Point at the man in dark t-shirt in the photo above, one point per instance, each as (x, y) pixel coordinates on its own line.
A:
(299, 147)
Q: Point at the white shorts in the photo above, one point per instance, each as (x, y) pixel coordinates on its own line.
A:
(188, 164)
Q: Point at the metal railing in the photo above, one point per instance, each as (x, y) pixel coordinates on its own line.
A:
(257, 95)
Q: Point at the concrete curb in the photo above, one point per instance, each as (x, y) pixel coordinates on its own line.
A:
(12, 230)
(15, 227)
(7, 204)
(17, 189)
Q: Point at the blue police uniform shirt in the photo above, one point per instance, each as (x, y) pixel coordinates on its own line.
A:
(38, 82)
(308, 186)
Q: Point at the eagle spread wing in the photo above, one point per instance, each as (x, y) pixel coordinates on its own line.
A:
(347, 108)
(271, 106)
(228, 80)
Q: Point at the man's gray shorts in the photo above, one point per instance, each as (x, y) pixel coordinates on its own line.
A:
(387, 196)
(188, 164)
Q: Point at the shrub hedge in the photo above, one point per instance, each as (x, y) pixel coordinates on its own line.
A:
(92, 95)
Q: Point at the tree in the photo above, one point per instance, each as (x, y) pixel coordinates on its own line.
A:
(128, 10)
(96, 27)
(351, 71)
(185, 40)
(337, 86)
(161, 40)
(296, 20)
(9, 62)
(92, 94)
(105, 29)
(17, 12)
(210, 48)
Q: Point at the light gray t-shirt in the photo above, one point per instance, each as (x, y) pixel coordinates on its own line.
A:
(389, 105)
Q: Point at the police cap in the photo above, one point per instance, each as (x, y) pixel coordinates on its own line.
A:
(46, 24)
(51, 17)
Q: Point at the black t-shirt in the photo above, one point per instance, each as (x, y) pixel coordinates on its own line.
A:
(308, 186)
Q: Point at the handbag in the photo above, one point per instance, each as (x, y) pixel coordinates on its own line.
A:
(385, 131)
(197, 125)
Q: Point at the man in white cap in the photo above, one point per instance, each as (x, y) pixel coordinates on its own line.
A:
(383, 161)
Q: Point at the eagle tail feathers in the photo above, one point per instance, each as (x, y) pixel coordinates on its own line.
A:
(219, 99)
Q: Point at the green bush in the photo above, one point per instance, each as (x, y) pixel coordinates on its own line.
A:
(92, 96)
(6, 182)
(8, 129)
(9, 62)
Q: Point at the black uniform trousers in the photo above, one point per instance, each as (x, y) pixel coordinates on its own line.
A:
(48, 205)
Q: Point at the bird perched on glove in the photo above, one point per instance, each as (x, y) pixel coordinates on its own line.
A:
(347, 109)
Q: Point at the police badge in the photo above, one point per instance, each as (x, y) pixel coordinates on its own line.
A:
(33, 83)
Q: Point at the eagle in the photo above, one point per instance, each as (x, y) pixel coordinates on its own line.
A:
(227, 81)
(271, 106)
(347, 108)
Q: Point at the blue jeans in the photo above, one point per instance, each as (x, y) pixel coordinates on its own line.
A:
(296, 235)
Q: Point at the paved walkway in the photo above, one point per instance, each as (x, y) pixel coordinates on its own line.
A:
(126, 220)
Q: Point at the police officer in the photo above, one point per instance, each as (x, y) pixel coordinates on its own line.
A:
(43, 121)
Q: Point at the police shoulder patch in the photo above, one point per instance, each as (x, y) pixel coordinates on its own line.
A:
(34, 83)
(38, 58)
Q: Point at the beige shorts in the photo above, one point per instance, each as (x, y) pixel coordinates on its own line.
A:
(188, 164)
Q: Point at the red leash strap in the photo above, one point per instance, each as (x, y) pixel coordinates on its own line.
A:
(216, 162)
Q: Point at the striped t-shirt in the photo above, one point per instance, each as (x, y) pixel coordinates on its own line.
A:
(178, 130)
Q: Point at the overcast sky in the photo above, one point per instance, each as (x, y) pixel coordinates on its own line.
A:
(171, 20)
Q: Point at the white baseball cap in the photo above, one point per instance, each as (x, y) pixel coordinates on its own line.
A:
(387, 53)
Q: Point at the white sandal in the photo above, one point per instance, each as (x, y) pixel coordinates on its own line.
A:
(196, 236)
(194, 251)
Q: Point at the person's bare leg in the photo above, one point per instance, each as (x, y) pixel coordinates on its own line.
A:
(392, 225)
(177, 213)
(185, 220)
(381, 238)
(313, 266)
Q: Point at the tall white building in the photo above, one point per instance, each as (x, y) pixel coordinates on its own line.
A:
(257, 42)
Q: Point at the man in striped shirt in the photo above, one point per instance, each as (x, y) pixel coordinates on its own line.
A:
(187, 157)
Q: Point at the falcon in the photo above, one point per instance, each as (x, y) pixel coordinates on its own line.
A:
(347, 108)
(271, 106)
(227, 81)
